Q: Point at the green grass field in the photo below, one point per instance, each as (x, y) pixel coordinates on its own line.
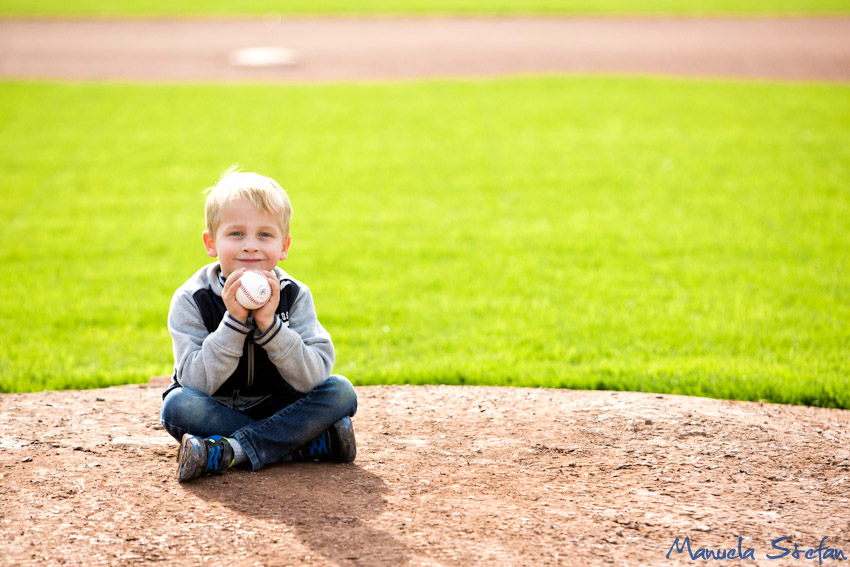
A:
(679, 236)
(213, 8)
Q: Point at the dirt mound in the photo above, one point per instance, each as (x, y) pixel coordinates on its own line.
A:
(351, 49)
(444, 476)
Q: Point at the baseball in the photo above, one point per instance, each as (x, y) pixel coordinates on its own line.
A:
(254, 290)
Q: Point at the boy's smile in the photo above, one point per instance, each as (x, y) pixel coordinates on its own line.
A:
(246, 237)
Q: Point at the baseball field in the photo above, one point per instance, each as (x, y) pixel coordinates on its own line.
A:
(586, 314)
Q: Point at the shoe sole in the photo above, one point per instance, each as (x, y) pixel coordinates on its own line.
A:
(191, 458)
(347, 444)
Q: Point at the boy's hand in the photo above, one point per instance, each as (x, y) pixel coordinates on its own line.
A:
(264, 316)
(228, 294)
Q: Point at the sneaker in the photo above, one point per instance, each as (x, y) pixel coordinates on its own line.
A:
(336, 444)
(198, 456)
(347, 447)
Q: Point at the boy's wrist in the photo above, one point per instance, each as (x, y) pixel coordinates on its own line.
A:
(241, 320)
(263, 325)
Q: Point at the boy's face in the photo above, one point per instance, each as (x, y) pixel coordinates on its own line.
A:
(246, 238)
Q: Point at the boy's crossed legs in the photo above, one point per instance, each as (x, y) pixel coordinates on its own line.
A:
(311, 426)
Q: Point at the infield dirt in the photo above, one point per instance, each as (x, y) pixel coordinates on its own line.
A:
(355, 49)
(444, 476)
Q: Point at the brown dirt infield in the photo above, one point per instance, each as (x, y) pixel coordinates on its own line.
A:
(444, 476)
(402, 48)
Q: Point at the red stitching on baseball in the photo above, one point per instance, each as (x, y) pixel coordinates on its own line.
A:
(246, 292)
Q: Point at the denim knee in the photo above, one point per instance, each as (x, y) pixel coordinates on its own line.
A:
(344, 396)
(181, 407)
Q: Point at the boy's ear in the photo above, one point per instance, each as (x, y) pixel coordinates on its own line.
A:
(209, 244)
(285, 250)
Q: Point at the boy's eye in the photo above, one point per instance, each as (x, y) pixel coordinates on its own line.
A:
(235, 233)
(265, 234)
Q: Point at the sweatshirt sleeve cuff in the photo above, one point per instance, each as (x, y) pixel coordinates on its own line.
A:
(233, 323)
(230, 335)
(273, 330)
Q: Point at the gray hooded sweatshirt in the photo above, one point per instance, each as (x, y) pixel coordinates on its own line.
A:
(219, 355)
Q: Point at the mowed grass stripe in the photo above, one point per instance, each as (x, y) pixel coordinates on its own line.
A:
(642, 234)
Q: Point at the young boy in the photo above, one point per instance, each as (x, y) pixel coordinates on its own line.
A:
(252, 387)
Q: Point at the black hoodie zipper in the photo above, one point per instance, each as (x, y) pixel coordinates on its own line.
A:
(250, 364)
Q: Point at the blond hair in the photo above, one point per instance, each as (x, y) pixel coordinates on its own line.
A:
(263, 192)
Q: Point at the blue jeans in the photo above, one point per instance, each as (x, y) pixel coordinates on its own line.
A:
(270, 431)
